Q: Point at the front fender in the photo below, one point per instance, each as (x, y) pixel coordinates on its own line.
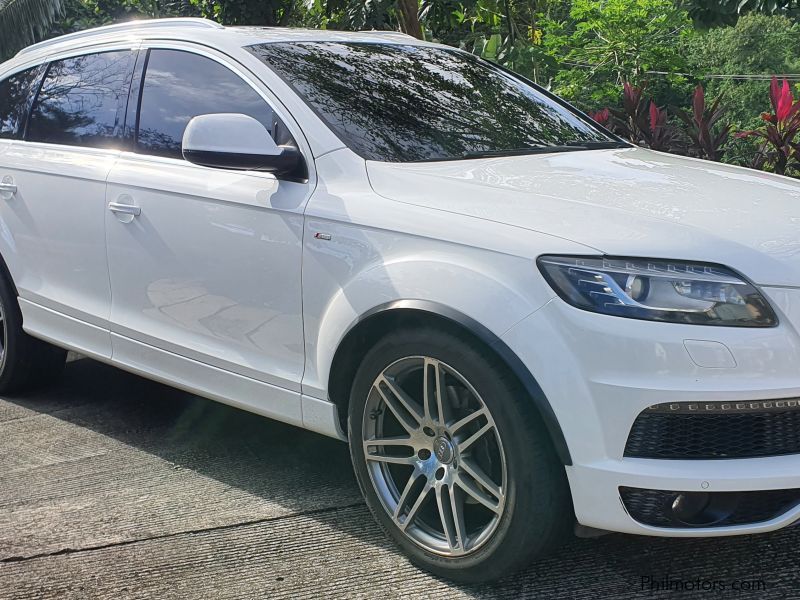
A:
(465, 290)
(474, 301)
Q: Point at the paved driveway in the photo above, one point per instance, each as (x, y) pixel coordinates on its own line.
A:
(112, 486)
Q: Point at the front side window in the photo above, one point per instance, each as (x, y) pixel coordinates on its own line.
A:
(15, 93)
(180, 85)
(82, 101)
(392, 102)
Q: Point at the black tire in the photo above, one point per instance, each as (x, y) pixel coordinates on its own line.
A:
(537, 514)
(26, 363)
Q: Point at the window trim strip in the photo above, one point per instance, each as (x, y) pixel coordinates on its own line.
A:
(44, 69)
(139, 93)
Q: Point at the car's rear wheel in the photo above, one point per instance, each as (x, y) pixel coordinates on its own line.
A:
(452, 459)
(25, 362)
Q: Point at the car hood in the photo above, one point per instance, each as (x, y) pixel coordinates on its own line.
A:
(626, 202)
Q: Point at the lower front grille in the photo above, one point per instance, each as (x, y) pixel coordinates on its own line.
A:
(716, 430)
(674, 509)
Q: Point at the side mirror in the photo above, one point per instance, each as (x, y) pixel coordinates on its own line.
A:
(236, 141)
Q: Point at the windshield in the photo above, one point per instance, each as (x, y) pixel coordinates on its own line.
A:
(402, 103)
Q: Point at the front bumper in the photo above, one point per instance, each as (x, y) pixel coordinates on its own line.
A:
(599, 372)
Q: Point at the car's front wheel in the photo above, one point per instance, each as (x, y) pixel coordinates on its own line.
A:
(452, 459)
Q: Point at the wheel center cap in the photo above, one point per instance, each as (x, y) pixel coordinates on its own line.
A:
(443, 450)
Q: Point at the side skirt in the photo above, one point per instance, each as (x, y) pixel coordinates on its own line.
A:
(180, 372)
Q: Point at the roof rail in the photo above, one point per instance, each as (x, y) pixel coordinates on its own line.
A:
(136, 25)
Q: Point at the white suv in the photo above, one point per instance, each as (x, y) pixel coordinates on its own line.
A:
(517, 320)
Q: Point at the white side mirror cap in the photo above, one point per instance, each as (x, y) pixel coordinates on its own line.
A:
(239, 142)
(228, 133)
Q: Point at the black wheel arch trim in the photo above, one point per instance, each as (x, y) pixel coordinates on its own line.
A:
(6, 273)
(497, 345)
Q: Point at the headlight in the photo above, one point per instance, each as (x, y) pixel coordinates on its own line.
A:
(658, 290)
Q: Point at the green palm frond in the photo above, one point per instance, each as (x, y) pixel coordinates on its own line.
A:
(23, 22)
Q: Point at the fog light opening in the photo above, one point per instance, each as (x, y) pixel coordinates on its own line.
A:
(702, 508)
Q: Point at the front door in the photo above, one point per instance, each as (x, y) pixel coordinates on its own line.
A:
(204, 263)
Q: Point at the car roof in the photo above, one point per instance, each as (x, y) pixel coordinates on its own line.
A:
(205, 32)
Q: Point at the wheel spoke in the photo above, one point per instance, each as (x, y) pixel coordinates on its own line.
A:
(414, 509)
(477, 494)
(481, 477)
(402, 406)
(394, 460)
(462, 446)
(434, 392)
(392, 443)
(466, 420)
(457, 508)
(452, 520)
(403, 500)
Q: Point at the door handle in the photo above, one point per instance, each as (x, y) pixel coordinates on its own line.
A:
(7, 187)
(124, 209)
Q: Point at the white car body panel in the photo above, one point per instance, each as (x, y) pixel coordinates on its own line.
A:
(61, 329)
(628, 202)
(381, 252)
(201, 378)
(240, 287)
(56, 240)
(211, 267)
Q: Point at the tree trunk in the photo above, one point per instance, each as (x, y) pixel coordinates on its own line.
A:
(781, 162)
(287, 14)
(409, 19)
(510, 22)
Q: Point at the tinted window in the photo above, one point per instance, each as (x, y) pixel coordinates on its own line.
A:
(179, 86)
(404, 103)
(82, 101)
(15, 92)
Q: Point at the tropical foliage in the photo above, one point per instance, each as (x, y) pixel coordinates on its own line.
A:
(604, 44)
(725, 12)
(707, 133)
(738, 62)
(780, 129)
(22, 22)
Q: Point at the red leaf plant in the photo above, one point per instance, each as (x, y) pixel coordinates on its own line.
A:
(659, 135)
(780, 128)
(632, 122)
(707, 134)
(602, 117)
(640, 120)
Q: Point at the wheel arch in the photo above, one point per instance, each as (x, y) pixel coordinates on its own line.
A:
(372, 325)
(6, 274)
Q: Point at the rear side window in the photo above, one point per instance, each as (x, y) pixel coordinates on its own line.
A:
(82, 101)
(15, 94)
(180, 85)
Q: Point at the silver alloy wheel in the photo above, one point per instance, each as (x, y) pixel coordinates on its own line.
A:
(434, 456)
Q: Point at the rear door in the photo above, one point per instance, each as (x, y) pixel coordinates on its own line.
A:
(54, 220)
(17, 89)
